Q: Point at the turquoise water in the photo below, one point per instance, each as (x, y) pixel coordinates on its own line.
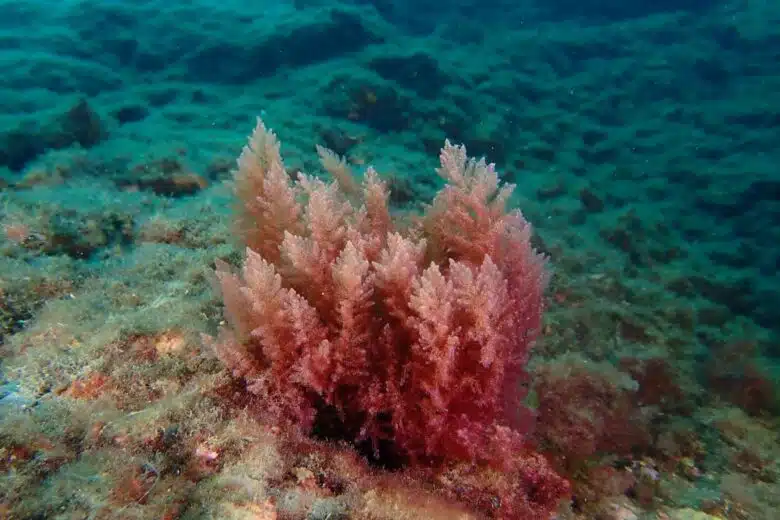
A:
(643, 141)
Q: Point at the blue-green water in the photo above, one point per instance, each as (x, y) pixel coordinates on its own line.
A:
(643, 138)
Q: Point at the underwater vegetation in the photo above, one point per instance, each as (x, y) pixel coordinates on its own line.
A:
(185, 335)
(412, 340)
